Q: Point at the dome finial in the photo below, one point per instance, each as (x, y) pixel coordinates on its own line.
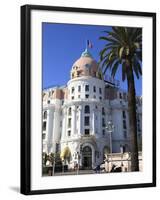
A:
(86, 53)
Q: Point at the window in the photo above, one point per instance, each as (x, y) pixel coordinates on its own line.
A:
(138, 127)
(86, 131)
(69, 111)
(50, 93)
(72, 89)
(78, 73)
(45, 115)
(100, 90)
(57, 147)
(86, 120)
(122, 148)
(79, 96)
(100, 98)
(87, 96)
(79, 88)
(120, 95)
(72, 97)
(44, 126)
(138, 118)
(87, 88)
(43, 136)
(87, 65)
(124, 124)
(94, 96)
(94, 88)
(103, 111)
(48, 101)
(103, 132)
(87, 109)
(124, 114)
(125, 134)
(69, 122)
(69, 133)
(103, 122)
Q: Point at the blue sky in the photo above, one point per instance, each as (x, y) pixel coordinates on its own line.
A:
(63, 45)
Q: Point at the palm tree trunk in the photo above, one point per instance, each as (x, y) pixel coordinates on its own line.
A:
(132, 120)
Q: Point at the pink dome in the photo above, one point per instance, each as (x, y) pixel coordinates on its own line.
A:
(84, 66)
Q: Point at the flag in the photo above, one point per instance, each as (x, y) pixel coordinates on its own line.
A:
(89, 44)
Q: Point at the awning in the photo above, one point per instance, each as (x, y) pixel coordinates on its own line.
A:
(65, 153)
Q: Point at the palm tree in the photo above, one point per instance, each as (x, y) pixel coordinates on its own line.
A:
(124, 49)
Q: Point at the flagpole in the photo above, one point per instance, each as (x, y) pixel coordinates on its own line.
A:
(86, 44)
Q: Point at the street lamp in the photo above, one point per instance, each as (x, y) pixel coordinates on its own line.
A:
(78, 158)
(53, 165)
(54, 158)
(122, 151)
(110, 129)
(62, 166)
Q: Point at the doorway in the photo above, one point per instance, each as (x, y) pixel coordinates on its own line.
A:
(87, 157)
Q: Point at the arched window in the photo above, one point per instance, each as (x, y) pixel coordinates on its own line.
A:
(86, 88)
(45, 115)
(103, 111)
(87, 109)
(69, 111)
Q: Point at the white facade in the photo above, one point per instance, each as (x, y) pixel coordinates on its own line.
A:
(75, 117)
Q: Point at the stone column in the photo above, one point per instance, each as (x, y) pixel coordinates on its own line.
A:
(99, 121)
(49, 128)
(80, 121)
(93, 121)
(56, 127)
(64, 123)
(73, 124)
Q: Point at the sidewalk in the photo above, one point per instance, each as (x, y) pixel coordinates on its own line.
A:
(79, 172)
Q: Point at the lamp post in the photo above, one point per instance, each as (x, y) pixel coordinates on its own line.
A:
(62, 166)
(122, 151)
(78, 158)
(110, 129)
(54, 158)
(53, 165)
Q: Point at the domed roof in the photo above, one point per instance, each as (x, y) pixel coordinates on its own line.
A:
(84, 66)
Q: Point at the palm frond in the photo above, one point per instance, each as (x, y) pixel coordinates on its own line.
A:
(103, 51)
(114, 68)
(120, 52)
(115, 36)
(123, 44)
